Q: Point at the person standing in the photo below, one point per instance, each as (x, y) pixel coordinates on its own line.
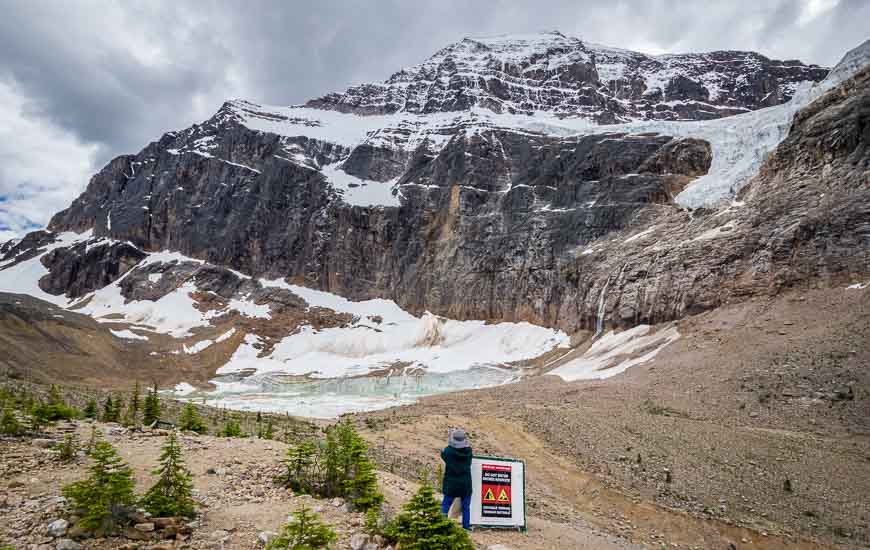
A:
(457, 474)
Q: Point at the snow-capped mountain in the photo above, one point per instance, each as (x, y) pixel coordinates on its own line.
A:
(519, 179)
(561, 75)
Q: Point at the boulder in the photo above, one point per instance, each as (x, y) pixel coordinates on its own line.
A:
(266, 536)
(67, 544)
(57, 528)
(359, 541)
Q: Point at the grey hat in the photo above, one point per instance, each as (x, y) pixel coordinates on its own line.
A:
(457, 439)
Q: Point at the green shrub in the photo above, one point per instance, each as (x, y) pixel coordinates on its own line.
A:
(132, 414)
(92, 440)
(51, 412)
(191, 421)
(171, 494)
(9, 424)
(108, 408)
(105, 499)
(231, 429)
(361, 482)
(337, 466)
(67, 449)
(267, 431)
(151, 410)
(90, 409)
(422, 526)
(304, 532)
(300, 460)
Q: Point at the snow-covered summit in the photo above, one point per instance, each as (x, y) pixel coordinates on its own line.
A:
(565, 76)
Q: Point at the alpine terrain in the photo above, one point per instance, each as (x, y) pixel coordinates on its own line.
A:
(647, 276)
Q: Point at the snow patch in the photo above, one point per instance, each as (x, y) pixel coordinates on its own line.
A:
(614, 353)
(128, 334)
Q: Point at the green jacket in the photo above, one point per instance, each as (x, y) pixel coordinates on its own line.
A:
(457, 472)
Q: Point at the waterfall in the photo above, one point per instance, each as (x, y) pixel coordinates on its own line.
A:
(602, 302)
(599, 321)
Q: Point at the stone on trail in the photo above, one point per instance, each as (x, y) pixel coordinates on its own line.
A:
(358, 541)
(67, 544)
(57, 528)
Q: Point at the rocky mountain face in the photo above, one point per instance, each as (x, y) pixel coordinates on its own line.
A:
(439, 190)
(565, 76)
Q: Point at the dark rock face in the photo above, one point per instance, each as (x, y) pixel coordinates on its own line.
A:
(559, 74)
(491, 213)
(85, 267)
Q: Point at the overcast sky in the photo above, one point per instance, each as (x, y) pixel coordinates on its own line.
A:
(82, 82)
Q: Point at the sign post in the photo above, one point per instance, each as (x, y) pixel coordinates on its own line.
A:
(498, 498)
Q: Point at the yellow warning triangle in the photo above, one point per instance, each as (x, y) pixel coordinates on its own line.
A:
(489, 495)
(502, 496)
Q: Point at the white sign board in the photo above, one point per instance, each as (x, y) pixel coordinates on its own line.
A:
(498, 497)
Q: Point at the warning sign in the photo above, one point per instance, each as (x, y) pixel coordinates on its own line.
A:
(498, 491)
(495, 484)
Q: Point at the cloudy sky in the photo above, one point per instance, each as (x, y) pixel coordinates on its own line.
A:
(82, 82)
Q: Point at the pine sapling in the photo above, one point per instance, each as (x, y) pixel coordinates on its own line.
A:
(151, 410)
(361, 485)
(421, 526)
(117, 408)
(231, 429)
(171, 494)
(105, 499)
(304, 532)
(9, 424)
(132, 413)
(90, 409)
(67, 449)
(108, 407)
(191, 421)
(92, 440)
(300, 459)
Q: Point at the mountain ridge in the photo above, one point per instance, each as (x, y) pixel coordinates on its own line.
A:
(551, 72)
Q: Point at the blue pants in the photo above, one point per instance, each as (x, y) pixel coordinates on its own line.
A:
(466, 509)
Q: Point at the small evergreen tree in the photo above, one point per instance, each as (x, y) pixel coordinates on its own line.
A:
(304, 532)
(92, 441)
(191, 421)
(300, 459)
(151, 411)
(66, 450)
(90, 409)
(132, 413)
(9, 424)
(374, 522)
(54, 408)
(35, 421)
(171, 494)
(331, 461)
(361, 482)
(54, 397)
(421, 526)
(265, 431)
(104, 499)
(108, 407)
(231, 429)
(117, 407)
